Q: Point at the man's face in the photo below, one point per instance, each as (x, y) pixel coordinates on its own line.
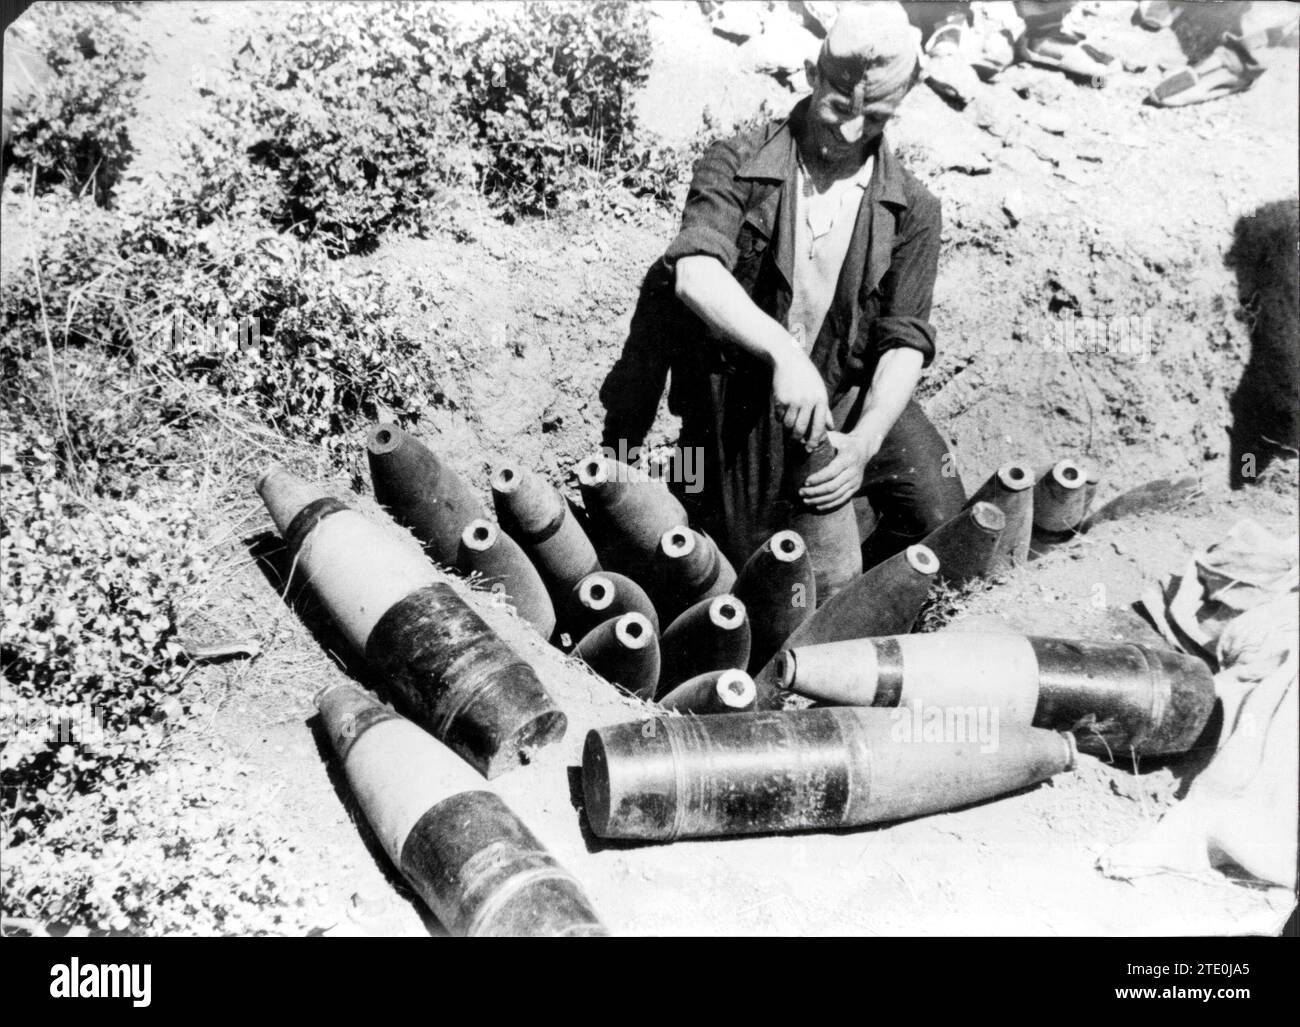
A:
(842, 126)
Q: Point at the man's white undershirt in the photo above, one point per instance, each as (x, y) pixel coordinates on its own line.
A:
(823, 227)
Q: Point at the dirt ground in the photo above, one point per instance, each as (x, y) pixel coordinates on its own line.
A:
(1057, 197)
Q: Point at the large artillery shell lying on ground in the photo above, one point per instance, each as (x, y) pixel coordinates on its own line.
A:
(779, 591)
(688, 567)
(421, 491)
(624, 651)
(629, 510)
(1061, 500)
(603, 596)
(466, 854)
(834, 546)
(503, 565)
(1011, 490)
(1116, 696)
(967, 545)
(535, 515)
(446, 668)
(719, 691)
(712, 635)
(818, 769)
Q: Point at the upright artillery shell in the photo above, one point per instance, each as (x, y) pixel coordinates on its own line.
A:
(834, 546)
(447, 669)
(779, 591)
(630, 510)
(718, 691)
(463, 851)
(421, 491)
(624, 651)
(604, 595)
(712, 635)
(688, 567)
(498, 559)
(966, 545)
(535, 515)
(1011, 490)
(818, 769)
(1115, 696)
(1061, 499)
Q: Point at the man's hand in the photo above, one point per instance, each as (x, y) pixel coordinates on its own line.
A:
(839, 481)
(800, 396)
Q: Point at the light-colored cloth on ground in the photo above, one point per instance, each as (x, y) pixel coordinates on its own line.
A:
(1249, 566)
(1238, 602)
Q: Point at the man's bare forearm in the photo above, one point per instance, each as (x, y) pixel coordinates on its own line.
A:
(897, 373)
(798, 391)
(716, 298)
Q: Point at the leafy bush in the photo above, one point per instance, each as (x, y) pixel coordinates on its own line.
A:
(72, 128)
(88, 631)
(183, 850)
(547, 88)
(303, 344)
(347, 108)
(67, 274)
(361, 118)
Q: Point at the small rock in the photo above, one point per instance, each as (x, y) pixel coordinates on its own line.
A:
(1013, 205)
(1134, 66)
(1053, 121)
(736, 22)
(780, 54)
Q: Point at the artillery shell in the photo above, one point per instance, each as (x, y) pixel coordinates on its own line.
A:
(446, 668)
(884, 601)
(966, 545)
(464, 852)
(624, 651)
(604, 595)
(834, 546)
(421, 491)
(1115, 696)
(779, 591)
(718, 691)
(503, 565)
(1061, 499)
(796, 770)
(535, 515)
(1010, 489)
(688, 567)
(629, 510)
(712, 635)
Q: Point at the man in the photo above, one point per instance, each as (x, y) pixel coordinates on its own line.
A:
(807, 258)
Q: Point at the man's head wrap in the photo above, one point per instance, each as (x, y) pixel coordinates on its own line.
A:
(871, 52)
